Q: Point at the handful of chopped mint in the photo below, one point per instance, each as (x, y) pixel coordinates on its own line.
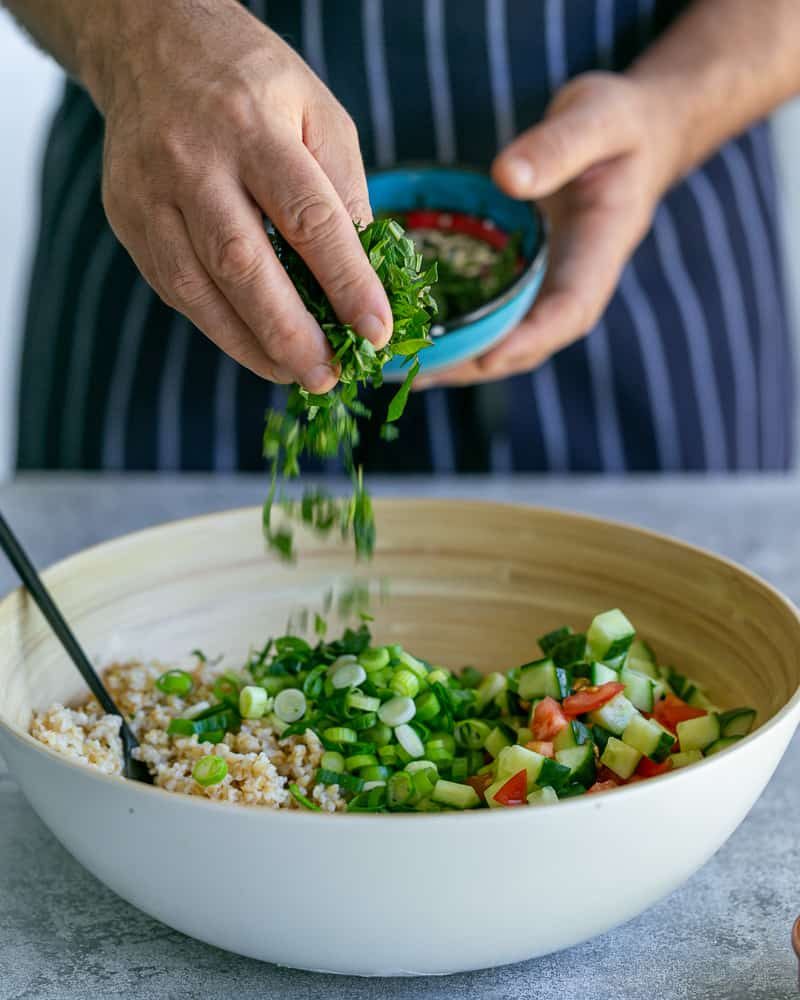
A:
(326, 425)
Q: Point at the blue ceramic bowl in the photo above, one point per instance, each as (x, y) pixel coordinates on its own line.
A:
(457, 189)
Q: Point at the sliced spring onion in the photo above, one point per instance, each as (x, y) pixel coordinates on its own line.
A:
(376, 772)
(347, 782)
(175, 682)
(450, 793)
(409, 740)
(303, 800)
(428, 706)
(413, 664)
(421, 765)
(397, 710)
(348, 676)
(369, 785)
(374, 659)
(438, 676)
(332, 760)
(290, 705)
(340, 734)
(253, 702)
(359, 760)
(404, 682)
(362, 722)
(210, 770)
(472, 733)
(363, 702)
(399, 789)
(226, 688)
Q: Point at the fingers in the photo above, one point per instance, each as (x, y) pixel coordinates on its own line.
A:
(190, 289)
(333, 142)
(293, 190)
(228, 236)
(589, 249)
(591, 121)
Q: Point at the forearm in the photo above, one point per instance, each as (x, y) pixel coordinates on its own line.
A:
(723, 65)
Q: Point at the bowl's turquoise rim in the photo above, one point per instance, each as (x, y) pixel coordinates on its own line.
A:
(523, 279)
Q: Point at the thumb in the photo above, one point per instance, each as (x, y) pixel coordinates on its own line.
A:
(590, 121)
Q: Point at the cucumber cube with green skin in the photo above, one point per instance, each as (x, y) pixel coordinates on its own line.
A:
(574, 734)
(602, 674)
(684, 758)
(737, 722)
(496, 740)
(620, 758)
(524, 736)
(639, 650)
(542, 679)
(642, 666)
(542, 797)
(610, 635)
(552, 773)
(548, 642)
(614, 715)
(699, 699)
(638, 688)
(697, 734)
(601, 737)
(571, 650)
(649, 738)
(514, 759)
(721, 744)
(580, 761)
(569, 791)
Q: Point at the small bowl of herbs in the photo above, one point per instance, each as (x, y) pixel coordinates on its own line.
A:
(490, 253)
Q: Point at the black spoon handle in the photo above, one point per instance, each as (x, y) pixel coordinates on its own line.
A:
(33, 583)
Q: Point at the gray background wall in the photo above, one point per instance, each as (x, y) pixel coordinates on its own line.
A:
(29, 84)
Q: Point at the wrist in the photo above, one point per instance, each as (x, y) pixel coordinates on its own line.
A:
(666, 127)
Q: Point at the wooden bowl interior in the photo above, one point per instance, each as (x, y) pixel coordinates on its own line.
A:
(468, 583)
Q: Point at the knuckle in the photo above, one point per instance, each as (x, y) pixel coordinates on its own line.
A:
(307, 218)
(235, 259)
(240, 110)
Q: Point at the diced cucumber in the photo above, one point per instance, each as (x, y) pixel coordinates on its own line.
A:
(722, 744)
(737, 722)
(648, 737)
(699, 699)
(620, 758)
(610, 635)
(514, 759)
(524, 735)
(580, 761)
(697, 734)
(638, 688)
(684, 758)
(614, 715)
(548, 642)
(451, 793)
(641, 657)
(496, 740)
(570, 790)
(601, 674)
(552, 773)
(571, 650)
(660, 689)
(581, 669)
(542, 797)
(542, 679)
(601, 737)
(574, 734)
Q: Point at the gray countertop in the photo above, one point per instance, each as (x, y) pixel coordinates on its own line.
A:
(724, 935)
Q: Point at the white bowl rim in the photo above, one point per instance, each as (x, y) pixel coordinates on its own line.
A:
(261, 814)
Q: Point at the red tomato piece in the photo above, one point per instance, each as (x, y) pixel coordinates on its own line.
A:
(544, 747)
(649, 769)
(513, 792)
(672, 710)
(601, 786)
(480, 782)
(458, 222)
(547, 720)
(589, 699)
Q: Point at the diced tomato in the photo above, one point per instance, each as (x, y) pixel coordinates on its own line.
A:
(672, 710)
(591, 698)
(649, 769)
(544, 747)
(547, 720)
(601, 786)
(513, 792)
(480, 782)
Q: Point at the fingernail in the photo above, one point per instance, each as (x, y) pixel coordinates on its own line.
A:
(520, 172)
(372, 328)
(318, 379)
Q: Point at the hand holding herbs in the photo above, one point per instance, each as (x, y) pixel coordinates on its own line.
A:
(595, 712)
(326, 426)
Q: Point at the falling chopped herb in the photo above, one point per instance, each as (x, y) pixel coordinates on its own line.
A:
(326, 425)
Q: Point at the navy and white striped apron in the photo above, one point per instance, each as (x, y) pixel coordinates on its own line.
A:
(690, 367)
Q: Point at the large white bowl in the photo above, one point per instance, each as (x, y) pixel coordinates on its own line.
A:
(393, 895)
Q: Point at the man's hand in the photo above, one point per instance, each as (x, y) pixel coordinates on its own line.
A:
(598, 166)
(212, 120)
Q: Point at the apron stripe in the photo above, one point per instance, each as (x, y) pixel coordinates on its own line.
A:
(439, 81)
(170, 394)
